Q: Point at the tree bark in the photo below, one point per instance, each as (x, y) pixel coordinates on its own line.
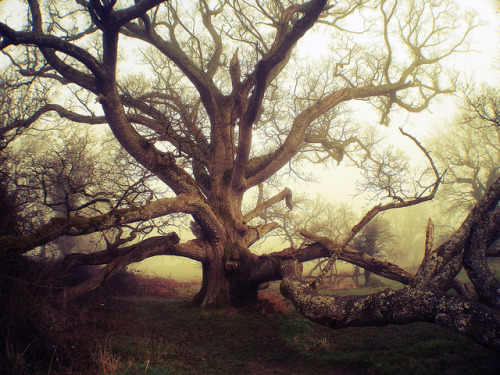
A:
(214, 292)
(485, 282)
(390, 307)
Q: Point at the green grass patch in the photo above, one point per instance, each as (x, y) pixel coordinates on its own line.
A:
(158, 335)
(161, 336)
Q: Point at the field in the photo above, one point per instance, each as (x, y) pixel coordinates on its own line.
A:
(147, 334)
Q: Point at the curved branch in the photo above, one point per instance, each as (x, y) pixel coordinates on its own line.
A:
(26, 123)
(74, 226)
(160, 163)
(154, 246)
(261, 168)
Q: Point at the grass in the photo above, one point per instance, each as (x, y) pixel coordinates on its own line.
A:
(161, 335)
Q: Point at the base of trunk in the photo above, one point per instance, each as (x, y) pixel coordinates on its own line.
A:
(220, 289)
(214, 292)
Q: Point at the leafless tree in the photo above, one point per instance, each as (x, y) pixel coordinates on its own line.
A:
(469, 151)
(375, 240)
(217, 80)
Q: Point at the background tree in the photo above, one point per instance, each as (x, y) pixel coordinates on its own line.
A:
(409, 233)
(217, 79)
(469, 150)
(332, 220)
(375, 239)
(20, 103)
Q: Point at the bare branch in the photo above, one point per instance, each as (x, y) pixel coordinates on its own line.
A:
(74, 226)
(285, 194)
(164, 245)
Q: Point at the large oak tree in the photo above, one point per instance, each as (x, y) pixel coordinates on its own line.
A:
(222, 101)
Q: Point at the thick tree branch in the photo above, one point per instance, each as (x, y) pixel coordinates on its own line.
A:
(389, 307)
(262, 72)
(267, 266)
(351, 255)
(122, 16)
(57, 227)
(161, 164)
(152, 246)
(57, 44)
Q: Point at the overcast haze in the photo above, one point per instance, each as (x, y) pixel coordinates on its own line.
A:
(337, 183)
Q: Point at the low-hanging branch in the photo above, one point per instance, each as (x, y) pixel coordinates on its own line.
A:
(423, 299)
(267, 266)
(74, 226)
(147, 248)
(351, 255)
(390, 307)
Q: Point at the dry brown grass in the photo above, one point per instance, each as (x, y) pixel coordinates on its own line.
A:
(159, 287)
